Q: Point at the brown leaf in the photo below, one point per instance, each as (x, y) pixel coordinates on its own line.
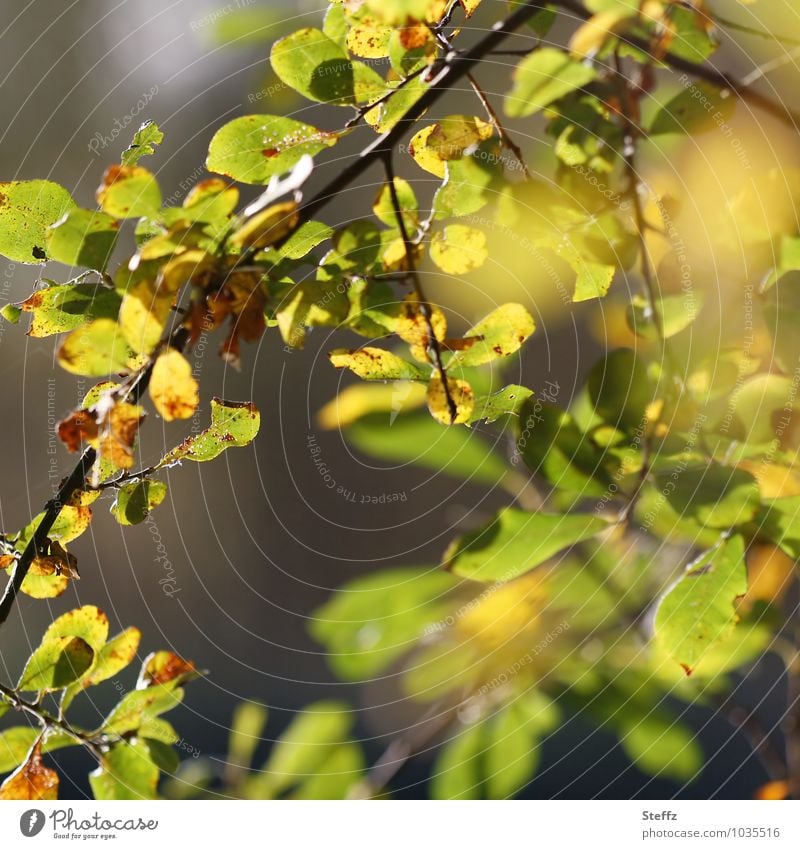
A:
(32, 781)
(79, 427)
(58, 561)
(161, 667)
(118, 434)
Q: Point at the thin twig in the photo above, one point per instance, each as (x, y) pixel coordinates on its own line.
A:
(47, 720)
(505, 138)
(424, 305)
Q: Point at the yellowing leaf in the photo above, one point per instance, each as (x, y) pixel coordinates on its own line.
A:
(173, 389)
(32, 781)
(590, 37)
(361, 399)
(376, 364)
(97, 349)
(129, 191)
(461, 395)
(499, 334)
(458, 249)
(267, 227)
(135, 501)
(451, 136)
(426, 158)
(232, 425)
(143, 316)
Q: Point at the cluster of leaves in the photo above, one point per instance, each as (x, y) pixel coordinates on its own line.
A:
(133, 743)
(665, 530)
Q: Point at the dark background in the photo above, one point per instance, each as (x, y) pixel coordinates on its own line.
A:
(255, 540)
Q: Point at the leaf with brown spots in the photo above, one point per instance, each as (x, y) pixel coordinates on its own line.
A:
(165, 667)
(174, 391)
(32, 781)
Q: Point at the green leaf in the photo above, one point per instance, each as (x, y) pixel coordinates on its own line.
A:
(677, 312)
(419, 440)
(87, 622)
(593, 278)
(95, 350)
(307, 743)
(129, 192)
(135, 501)
(501, 333)
(372, 620)
(457, 769)
(58, 662)
(555, 448)
(304, 239)
(698, 109)
(512, 752)
(409, 206)
(144, 143)
(514, 542)
(713, 495)
(232, 425)
(58, 309)
(138, 706)
(27, 209)
(545, 75)
(377, 364)
(335, 776)
(663, 747)
(247, 726)
(15, 743)
(126, 771)
(467, 188)
(112, 658)
(699, 611)
(254, 148)
(620, 389)
(83, 238)
(319, 68)
(506, 402)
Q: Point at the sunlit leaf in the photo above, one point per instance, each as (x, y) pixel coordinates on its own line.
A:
(499, 334)
(543, 76)
(514, 542)
(58, 309)
(699, 611)
(459, 249)
(96, 349)
(441, 403)
(254, 148)
(232, 425)
(129, 192)
(126, 771)
(27, 209)
(33, 780)
(135, 501)
(377, 364)
(83, 238)
(58, 662)
(144, 143)
(174, 390)
(700, 108)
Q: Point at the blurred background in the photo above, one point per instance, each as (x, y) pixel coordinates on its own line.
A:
(230, 567)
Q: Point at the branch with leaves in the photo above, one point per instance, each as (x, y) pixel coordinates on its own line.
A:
(659, 440)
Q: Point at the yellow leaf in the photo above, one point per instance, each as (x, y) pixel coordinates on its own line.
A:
(774, 481)
(459, 249)
(31, 781)
(363, 398)
(589, 38)
(426, 158)
(376, 364)
(267, 227)
(173, 389)
(461, 394)
(143, 316)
